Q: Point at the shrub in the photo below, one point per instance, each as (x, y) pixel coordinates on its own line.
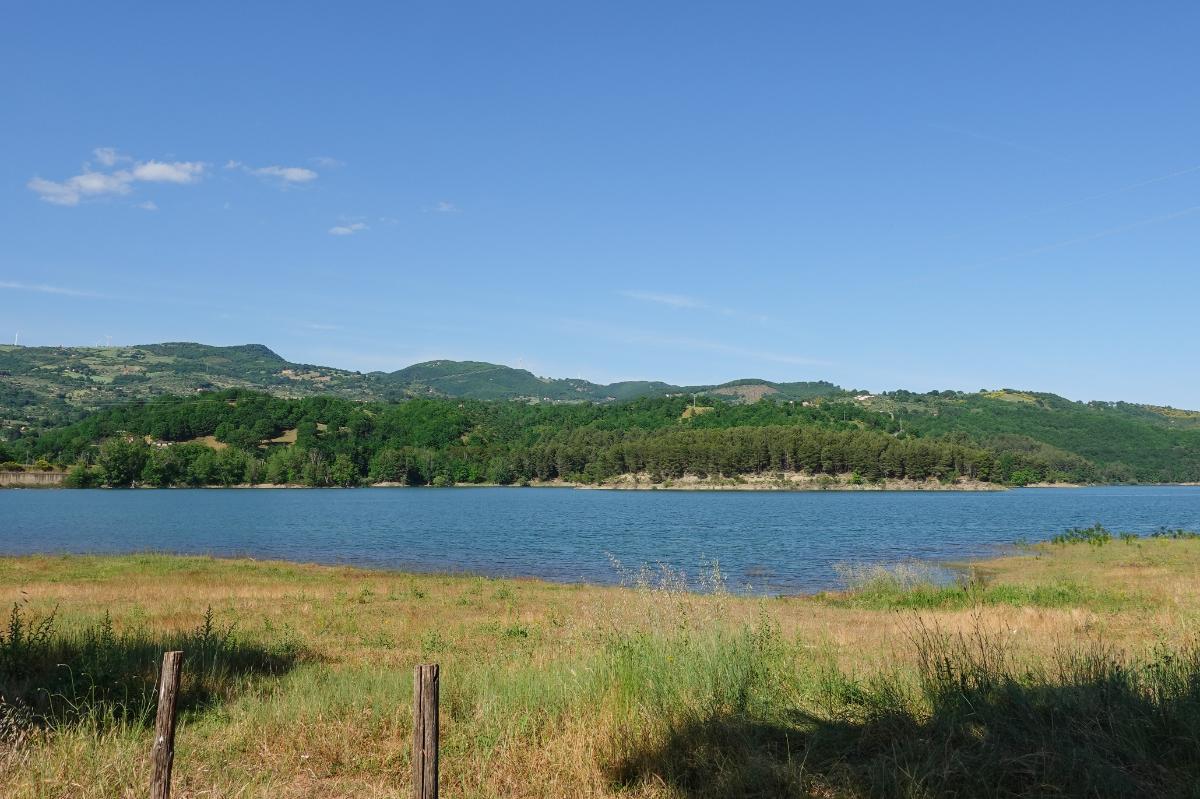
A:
(1175, 534)
(1023, 477)
(82, 476)
(1096, 535)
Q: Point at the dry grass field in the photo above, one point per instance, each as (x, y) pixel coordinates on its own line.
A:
(1066, 670)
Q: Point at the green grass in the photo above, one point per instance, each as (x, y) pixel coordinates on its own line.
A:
(748, 713)
(299, 680)
(103, 568)
(1096, 535)
(974, 721)
(94, 674)
(913, 587)
(1176, 534)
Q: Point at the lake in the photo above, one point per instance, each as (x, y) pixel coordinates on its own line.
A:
(765, 542)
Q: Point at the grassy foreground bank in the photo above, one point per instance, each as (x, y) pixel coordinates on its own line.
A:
(1069, 670)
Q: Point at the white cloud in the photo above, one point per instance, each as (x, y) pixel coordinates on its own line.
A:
(693, 303)
(149, 205)
(671, 341)
(446, 207)
(51, 192)
(91, 183)
(327, 162)
(102, 183)
(95, 183)
(673, 300)
(347, 230)
(742, 352)
(42, 288)
(88, 184)
(286, 174)
(108, 156)
(169, 172)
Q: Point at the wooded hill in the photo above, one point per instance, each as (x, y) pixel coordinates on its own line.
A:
(237, 436)
(42, 386)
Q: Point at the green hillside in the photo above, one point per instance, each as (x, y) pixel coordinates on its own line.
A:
(1126, 441)
(1030, 435)
(481, 380)
(46, 385)
(43, 386)
(238, 436)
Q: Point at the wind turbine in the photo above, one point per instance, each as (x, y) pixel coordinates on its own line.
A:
(16, 338)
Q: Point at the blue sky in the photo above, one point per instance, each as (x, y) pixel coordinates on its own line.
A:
(884, 195)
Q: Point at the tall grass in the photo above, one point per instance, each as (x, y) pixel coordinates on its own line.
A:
(1090, 722)
(974, 720)
(55, 675)
(653, 691)
(683, 701)
(712, 712)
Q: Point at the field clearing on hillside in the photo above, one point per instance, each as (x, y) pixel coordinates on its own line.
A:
(286, 437)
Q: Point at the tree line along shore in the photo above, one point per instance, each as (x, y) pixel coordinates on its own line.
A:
(239, 437)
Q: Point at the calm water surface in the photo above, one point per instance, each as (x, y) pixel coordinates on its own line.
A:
(771, 542)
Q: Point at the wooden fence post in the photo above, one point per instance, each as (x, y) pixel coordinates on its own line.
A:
(163, 751)
(425, 731)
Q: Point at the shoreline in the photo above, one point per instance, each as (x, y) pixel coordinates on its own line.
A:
(1001, 555)
(788, 482)
(360, 571)
(563, 675)
(783, 481)
(793, 481)
(750, 483)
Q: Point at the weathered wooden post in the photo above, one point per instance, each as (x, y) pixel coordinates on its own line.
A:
(425, 731)
(163, 752)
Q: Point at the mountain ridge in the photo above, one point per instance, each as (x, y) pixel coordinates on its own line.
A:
(49, 385)
(40, 384)
(1030, 435)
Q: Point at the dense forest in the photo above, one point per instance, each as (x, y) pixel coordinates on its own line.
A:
(184, 413)
(239, 436)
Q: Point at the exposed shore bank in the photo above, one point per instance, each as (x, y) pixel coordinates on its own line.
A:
(787, 481)
(779, 481)
(784, 481)
(31, 478)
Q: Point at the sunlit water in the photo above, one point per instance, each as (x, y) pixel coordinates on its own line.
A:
(770, 542)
